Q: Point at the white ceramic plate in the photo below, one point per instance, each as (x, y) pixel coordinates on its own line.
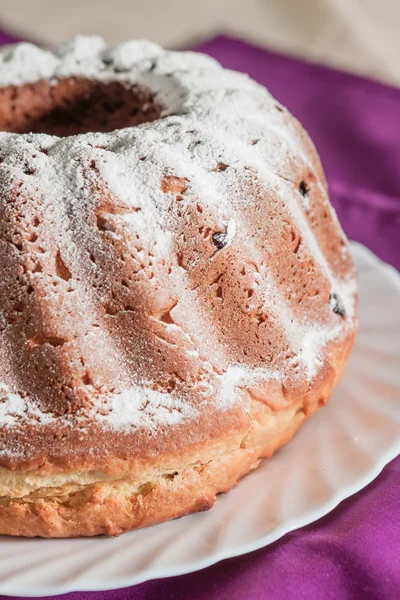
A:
(335, 454)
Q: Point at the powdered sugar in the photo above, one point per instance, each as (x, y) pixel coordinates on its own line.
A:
(239, 376)
(25, 63)
(214, 124)
(14, 408)
(313, 341)
(140, 406)
(134, 407)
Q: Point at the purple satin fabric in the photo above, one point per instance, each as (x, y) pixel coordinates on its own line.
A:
(354, 552)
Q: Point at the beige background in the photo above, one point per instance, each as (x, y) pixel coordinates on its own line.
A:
(358, 35)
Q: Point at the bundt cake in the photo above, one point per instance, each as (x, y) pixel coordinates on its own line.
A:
(176, 293)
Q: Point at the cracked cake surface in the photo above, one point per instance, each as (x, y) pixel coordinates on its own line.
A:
(176, 293)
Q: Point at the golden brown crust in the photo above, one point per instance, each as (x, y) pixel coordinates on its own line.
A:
(116, 506)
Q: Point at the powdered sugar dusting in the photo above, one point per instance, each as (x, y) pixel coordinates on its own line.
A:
(25, 63)
(314, 339)
(14, 408)
(215, 124)
(134, 407)
(239, 376)
(139, 406)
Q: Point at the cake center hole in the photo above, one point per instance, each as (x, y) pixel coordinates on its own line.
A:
(73, 106)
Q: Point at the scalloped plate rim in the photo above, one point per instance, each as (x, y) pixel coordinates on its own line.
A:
(237, 549)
